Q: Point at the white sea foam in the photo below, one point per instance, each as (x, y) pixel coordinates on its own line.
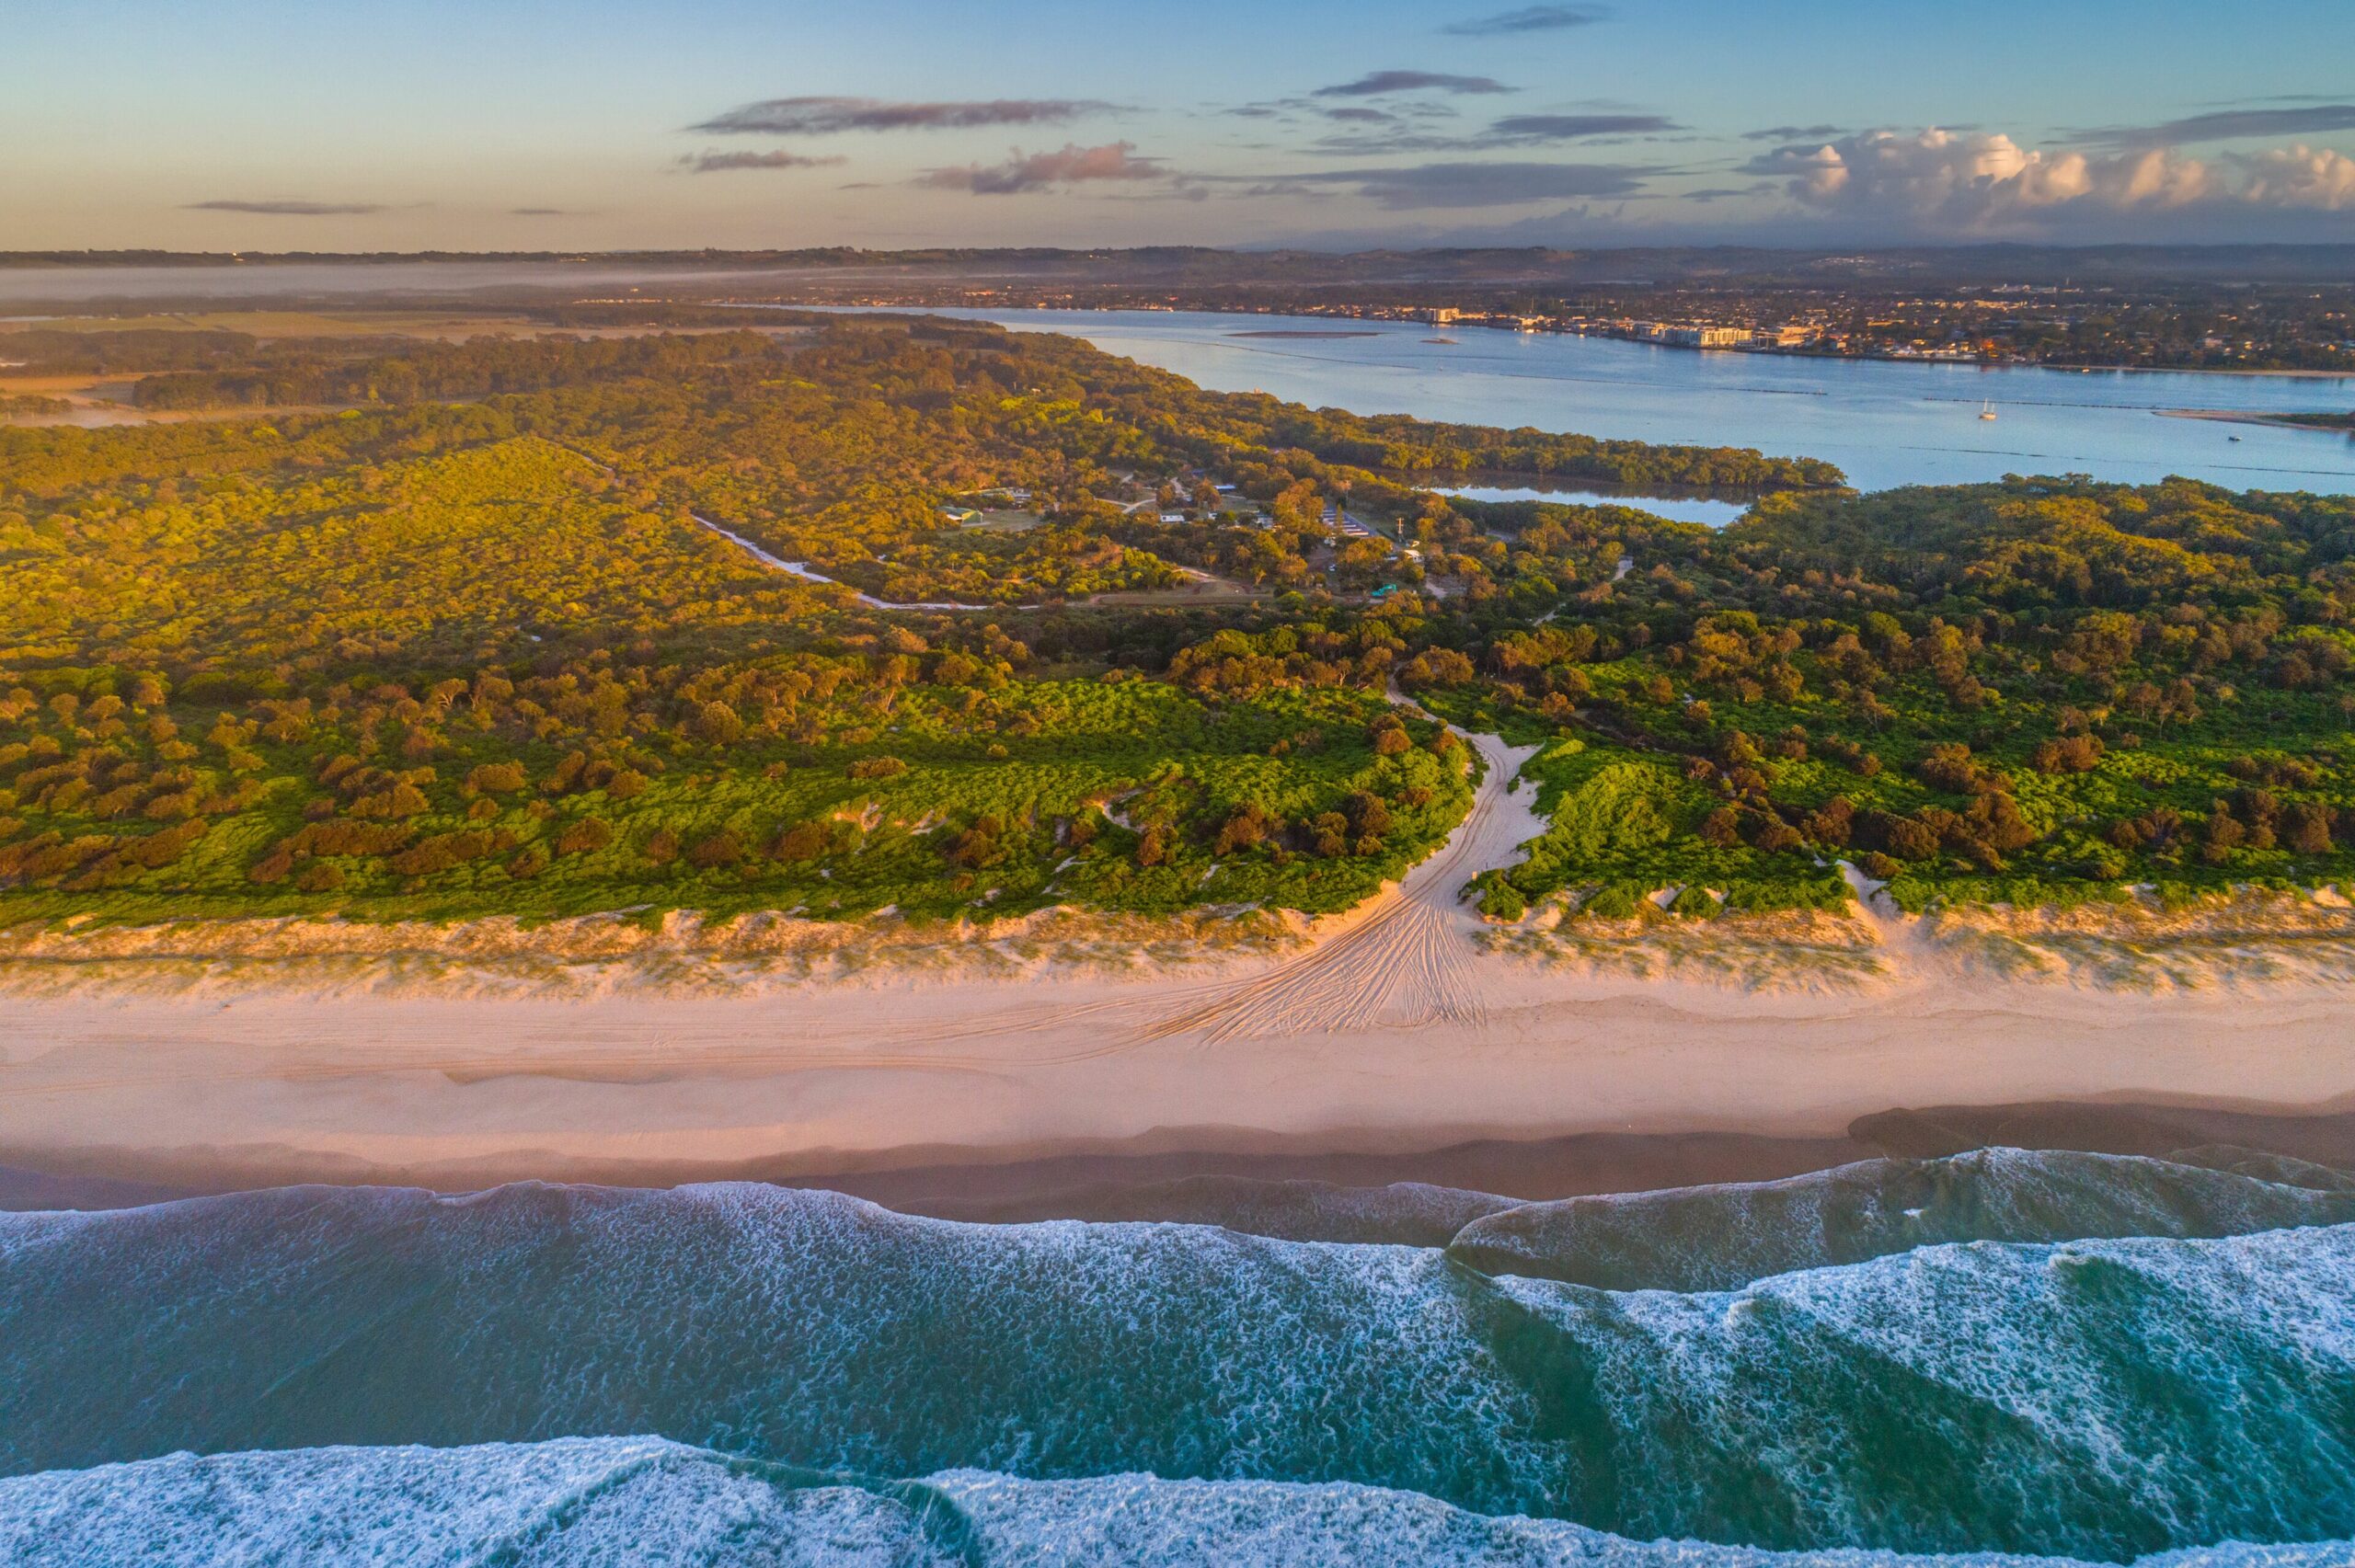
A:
(2102, 1398)
(1710, 1238)
(609, 1503)
(644, 1503)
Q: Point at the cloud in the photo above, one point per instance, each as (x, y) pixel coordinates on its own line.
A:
(1528, 19)
(288, 209)
(1037, 171)
(1380, 81)
(1357, 114)
(1570, 127)
(2300, 177)
(1793, 132)
(1512, 130)
(1945, 183)
(1423, 186)
(2226, 125)
(1979, 180)
(833, 116)
(721, 163)
(537, 212)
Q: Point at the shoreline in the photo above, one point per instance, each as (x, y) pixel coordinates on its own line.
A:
(1403, 1029)
(1207, 1174)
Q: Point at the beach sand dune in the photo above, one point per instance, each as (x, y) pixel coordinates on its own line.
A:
(1402, 1028)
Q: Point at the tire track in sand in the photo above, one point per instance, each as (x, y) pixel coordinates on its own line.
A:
(1408, 962)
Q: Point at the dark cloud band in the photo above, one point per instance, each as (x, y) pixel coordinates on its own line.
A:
(288, 209)
(721, 163)
(2225, 125)
(1571, 127)
(1377, 82)
(1528, 19)
(834, 116)
(1451, 185)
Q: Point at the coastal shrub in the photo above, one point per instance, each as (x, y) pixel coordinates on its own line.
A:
(1692, 903)
(717, 722)
(1499, 900)
(402, 799)
(1827, 893)
(495, 778)
(444, 850)
(800, 841)
(1612, 901)
(585, 836)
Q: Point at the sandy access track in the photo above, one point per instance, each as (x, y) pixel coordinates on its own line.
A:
(1395, 1031)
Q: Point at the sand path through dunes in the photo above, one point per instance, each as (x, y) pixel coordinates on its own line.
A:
(1407, 959)
(801, 569)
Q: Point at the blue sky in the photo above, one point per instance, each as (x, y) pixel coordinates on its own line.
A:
(264, 124)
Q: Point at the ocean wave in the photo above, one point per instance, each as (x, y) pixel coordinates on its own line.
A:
(2106, 1398)
(646, 1503)
(1406, 1214)
(1720, 1237)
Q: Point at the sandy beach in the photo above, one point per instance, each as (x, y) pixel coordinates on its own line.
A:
(461, 1093)
(1407, 1027)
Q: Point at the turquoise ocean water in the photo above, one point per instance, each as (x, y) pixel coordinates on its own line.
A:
(2079, 1357)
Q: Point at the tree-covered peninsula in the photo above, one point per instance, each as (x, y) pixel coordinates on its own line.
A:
(844, 616)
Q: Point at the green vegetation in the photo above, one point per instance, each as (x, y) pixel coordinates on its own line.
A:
(2034, 692)
(418, 662)
(464, 647)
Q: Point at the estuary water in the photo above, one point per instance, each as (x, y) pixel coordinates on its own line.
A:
(1885, 422)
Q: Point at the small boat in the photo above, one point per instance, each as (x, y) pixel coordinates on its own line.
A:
(1987, 410)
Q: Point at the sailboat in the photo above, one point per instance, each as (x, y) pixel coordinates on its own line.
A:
(1987, 409)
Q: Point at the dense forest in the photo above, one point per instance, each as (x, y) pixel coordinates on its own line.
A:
(454, 629)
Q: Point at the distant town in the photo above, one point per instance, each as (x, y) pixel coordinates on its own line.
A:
(2171, 324)
(2241, 329)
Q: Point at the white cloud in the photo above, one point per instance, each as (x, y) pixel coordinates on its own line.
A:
(1978, 180)
(2321, 179)
(1949, 182)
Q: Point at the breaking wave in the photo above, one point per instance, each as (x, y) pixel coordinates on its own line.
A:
(1716, 1238)
(624, 1502)
(2106, 1399)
